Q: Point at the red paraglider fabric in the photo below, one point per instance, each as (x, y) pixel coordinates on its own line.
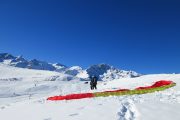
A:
(72, 96)
(156, 84)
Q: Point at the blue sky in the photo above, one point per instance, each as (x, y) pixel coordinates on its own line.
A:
(140, 35)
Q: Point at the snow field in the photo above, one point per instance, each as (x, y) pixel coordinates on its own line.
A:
(23, 95)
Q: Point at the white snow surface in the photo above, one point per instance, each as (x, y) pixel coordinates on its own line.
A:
(23, 95)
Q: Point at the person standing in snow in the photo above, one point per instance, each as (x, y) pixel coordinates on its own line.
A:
(93, 82)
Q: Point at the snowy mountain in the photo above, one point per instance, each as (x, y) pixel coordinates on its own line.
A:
(107, 72)
(75, 70)
(97, 70)
(21, 62)
(103, 71)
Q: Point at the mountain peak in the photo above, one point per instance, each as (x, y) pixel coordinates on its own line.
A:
(6, 56)
(107, 72)
(99, 69)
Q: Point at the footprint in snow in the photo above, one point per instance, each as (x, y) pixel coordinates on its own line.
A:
(128, 111)
(3, 107)
(75, 114)
(40, 101)
(47, 119)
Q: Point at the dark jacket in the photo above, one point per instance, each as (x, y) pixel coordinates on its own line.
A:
(93, 81)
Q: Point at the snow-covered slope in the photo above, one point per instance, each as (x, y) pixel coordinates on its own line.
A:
(7, 72)
(23, 94)
(27, 82)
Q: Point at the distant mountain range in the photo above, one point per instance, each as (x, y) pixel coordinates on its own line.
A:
(103, 71)
(21, 62)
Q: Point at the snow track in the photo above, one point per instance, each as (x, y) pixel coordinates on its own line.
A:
(128, 111)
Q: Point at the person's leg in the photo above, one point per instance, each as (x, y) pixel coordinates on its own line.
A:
(91, 87)
(95, 87)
